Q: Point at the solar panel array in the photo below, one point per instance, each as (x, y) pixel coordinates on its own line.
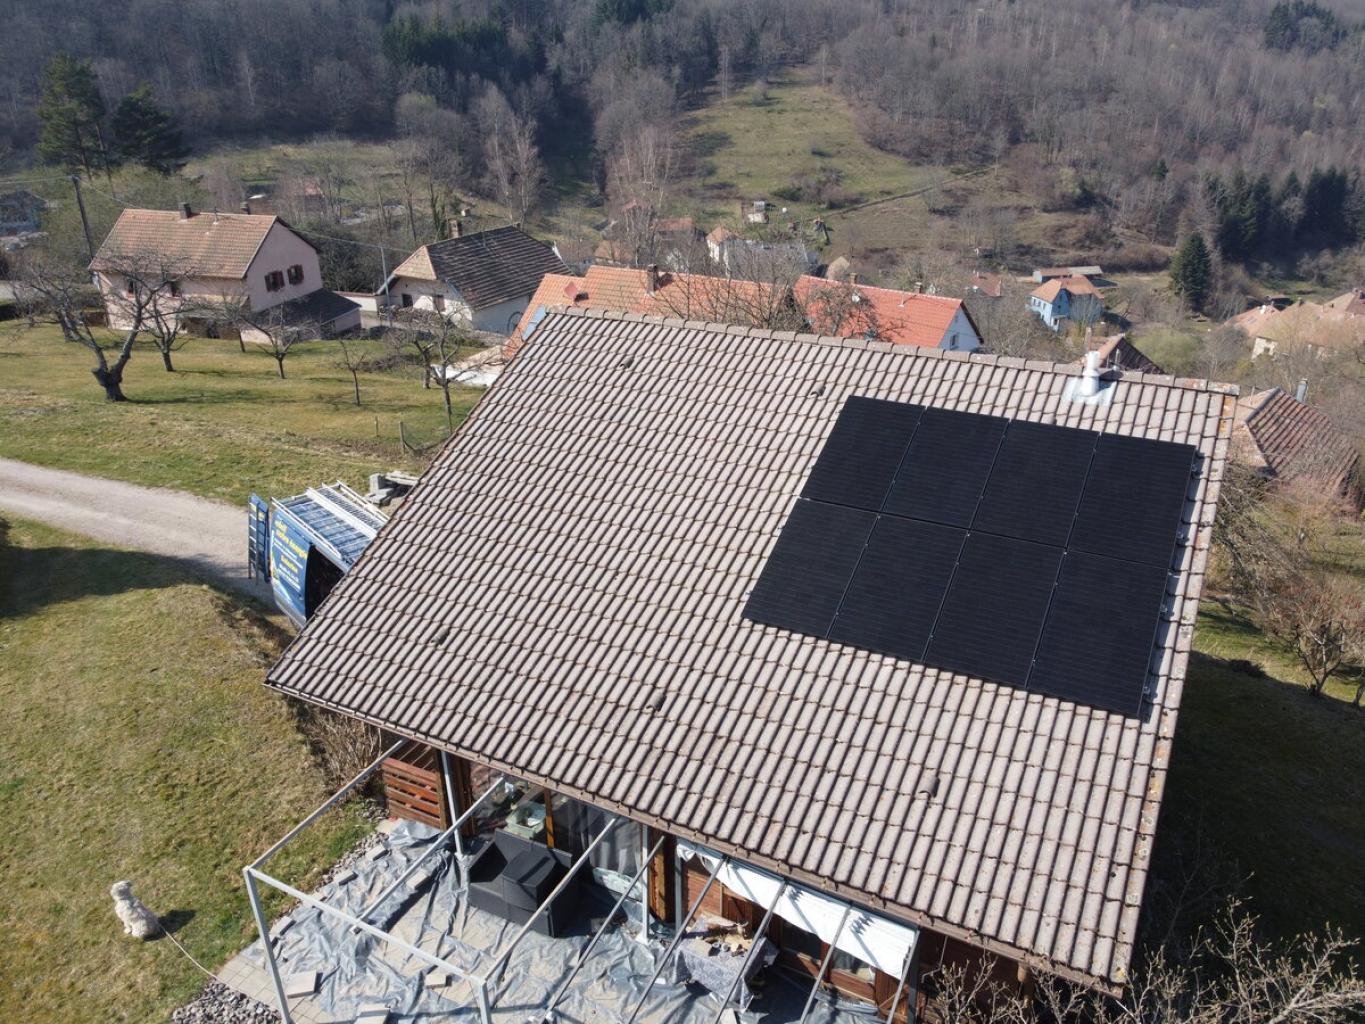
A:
(1023, 553)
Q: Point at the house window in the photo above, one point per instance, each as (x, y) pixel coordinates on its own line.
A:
(296, 274)
(129, 287)
(407, 301)
(438, 303)
(274, 281)
(175, 287)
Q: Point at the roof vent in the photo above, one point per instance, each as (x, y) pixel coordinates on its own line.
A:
(817, 392)
(626, 363)
(1088, 388)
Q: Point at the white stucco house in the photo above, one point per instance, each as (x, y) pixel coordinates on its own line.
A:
(486, 278)
(1067, 299)
(213, 258)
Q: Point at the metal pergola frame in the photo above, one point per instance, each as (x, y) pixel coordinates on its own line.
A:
(253, 874)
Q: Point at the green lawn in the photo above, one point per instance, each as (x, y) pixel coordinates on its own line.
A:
(138, 743)
(748, 148)
(1269, 782)
(221, 426)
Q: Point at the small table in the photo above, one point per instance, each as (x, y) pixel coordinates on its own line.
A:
(698, 961)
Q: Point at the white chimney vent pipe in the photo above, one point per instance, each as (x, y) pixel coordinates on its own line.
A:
(1090, 376)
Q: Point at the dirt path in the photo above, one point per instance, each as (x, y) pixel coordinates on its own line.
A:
(208, 537)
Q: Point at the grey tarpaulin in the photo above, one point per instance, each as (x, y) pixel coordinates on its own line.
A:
(356, 969)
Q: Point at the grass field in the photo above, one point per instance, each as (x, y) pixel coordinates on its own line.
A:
(1269, 783)
(221, 426)
(748, 147)
(138, 743)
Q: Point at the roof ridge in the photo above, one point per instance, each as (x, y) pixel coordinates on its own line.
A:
(1063, 369)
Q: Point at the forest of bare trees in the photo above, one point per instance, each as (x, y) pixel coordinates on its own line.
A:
(1123, 108)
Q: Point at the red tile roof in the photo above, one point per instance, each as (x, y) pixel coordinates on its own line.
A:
(852, 311)
(689, 296)
(1119, 351)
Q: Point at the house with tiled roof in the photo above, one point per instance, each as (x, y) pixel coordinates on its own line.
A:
(617, 590)
(1285, 439)
(658, 292)
(1066, 300)
(1323, 327)
(217, 258)
(486, 278)
(886, 314)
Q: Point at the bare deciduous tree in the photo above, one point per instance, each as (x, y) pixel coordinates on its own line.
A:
(143, 297)
(514, 165)
(274, 329)
(1227, 976)
(352, 360)
(437, 341)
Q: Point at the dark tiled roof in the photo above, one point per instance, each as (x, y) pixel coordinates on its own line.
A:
(487, 267)
(1289, 440)
(615, 495)
(320, 307)
(1119, 351)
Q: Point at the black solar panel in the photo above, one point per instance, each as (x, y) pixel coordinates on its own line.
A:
(1035, 485)
(895, 595)
(1097, 643)
(1022, 553)
(943, 473)
(860, 457)
(995, 608)
(807, 573)
(1134, 499)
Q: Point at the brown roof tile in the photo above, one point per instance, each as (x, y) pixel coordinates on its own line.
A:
(1289, 440)
(612, 520)
(203, 244)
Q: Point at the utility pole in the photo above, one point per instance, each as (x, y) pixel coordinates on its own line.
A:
(85, 221)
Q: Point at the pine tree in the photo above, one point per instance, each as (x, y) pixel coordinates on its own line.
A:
(72, 111)
(145, 133)
(1192, 271)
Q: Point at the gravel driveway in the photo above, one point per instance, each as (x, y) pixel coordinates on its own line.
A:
(208, 537)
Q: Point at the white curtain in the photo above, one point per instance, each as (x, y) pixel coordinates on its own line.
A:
(874, 940)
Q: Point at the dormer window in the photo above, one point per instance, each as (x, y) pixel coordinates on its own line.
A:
(274, 281)
(296, 274)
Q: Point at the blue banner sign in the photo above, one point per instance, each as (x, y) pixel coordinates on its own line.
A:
(289, 544)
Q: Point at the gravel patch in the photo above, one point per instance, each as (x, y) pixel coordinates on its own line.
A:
(218, 1004)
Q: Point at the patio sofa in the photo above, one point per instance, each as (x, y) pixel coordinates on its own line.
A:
(511, 877)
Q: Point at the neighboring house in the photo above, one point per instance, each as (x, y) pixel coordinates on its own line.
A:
(212, 258)
(571, 599)
(669, 241)
(1118, 352)
(752, 258)
(716, 240)
(989, 286)
(20, 212)
(1320, 326)
(652, 291)
(1042, 275)
(1066, 299)
(486, 278)
(1285, 439)
(853, 310)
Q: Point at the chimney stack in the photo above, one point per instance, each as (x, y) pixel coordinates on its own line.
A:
(652, 278)
(919, 287)
(185, 212)
(246, 207)
(853, 279)
(1301, 392)
(459, 228)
